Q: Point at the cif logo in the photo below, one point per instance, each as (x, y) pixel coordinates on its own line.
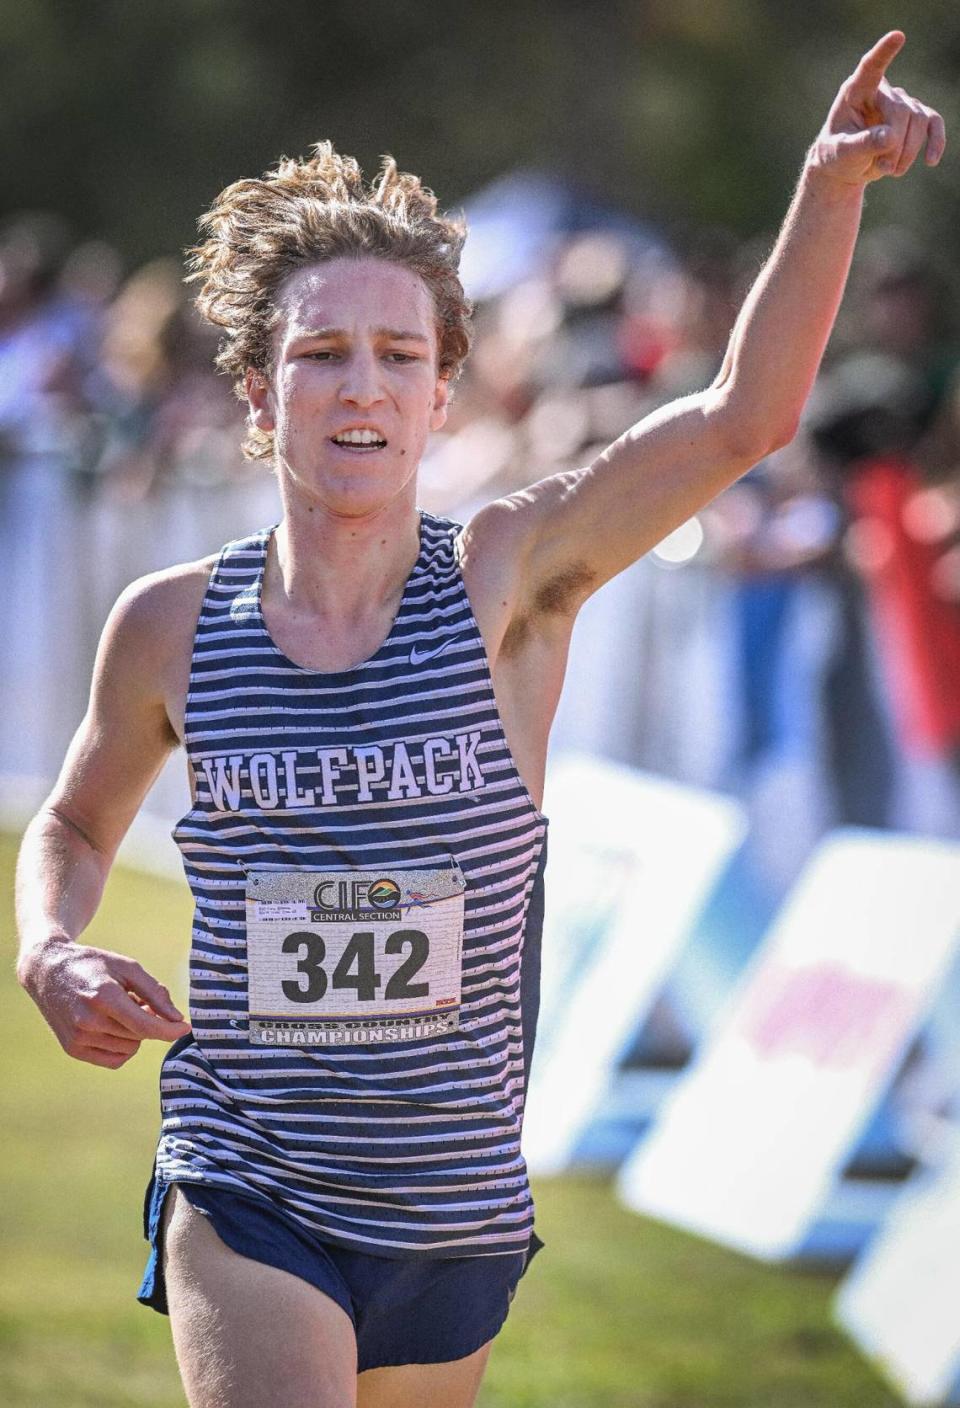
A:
(356, 894)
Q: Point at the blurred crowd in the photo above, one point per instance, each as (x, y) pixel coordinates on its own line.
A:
(110, 372)
(107, 375)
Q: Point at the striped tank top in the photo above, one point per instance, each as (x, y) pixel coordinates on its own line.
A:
(397, 1137)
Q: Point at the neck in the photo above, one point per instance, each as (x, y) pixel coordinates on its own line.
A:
(345, 567)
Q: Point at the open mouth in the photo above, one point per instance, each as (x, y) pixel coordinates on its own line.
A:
(361, 442)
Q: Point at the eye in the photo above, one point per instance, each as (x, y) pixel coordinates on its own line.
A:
(403, 356)
(321, 354)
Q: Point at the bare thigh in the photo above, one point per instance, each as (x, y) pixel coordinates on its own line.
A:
(246, 1334)
(453, 1385)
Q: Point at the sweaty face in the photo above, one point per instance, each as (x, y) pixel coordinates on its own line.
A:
(355, 390)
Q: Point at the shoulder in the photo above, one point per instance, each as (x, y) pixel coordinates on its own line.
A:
(495, 537)
(154, 618)
(512, 524)
(159, 602)
(511, 542)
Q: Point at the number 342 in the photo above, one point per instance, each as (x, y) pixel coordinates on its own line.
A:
(357, 966)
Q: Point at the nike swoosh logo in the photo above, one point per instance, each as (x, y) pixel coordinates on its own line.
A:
(417, 657)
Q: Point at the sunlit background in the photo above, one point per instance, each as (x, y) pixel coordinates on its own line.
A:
(766, 708)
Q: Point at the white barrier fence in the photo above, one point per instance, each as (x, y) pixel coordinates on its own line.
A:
(631, 860)
(752, 1145)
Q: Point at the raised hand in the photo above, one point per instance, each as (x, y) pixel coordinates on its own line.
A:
(874, 130)
(100, 1005)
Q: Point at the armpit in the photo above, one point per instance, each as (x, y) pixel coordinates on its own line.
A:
(565, 590)
(559, 595)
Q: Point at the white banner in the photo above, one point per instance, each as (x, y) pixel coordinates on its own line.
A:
(901, 1301)
(750, 1146)
(632, 859)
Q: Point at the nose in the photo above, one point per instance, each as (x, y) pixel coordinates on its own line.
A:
(361, 384)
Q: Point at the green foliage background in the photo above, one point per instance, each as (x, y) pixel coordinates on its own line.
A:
(130, 118)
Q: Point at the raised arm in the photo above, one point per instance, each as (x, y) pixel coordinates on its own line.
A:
(99, 1004)
(583, 526)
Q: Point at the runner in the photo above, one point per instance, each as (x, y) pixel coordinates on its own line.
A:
(339, 1210)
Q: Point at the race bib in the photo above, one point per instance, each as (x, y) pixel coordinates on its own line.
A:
(353, 957)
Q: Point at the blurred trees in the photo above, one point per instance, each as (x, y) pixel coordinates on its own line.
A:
(129, 118)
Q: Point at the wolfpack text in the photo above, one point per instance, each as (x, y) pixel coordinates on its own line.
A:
(324, 777)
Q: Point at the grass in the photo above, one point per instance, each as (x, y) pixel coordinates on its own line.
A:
(617, 1310)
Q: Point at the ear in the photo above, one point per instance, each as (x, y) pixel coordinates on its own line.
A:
(438, 414)
(259, 398)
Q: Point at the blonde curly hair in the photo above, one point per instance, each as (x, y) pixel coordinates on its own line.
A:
(304, 212)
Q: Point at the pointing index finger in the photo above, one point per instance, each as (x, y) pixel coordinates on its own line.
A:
(866, 77)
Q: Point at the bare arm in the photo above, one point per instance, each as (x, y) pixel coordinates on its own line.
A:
(97, 1001)
(587, 525)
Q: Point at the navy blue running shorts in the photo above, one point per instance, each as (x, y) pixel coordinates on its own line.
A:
(405, 1310)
